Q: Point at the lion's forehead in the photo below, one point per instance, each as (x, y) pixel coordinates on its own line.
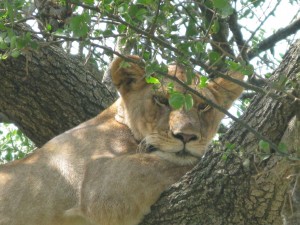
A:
(166, 90)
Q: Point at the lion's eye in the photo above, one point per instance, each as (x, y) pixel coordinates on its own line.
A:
(203, 107)
(161, 100)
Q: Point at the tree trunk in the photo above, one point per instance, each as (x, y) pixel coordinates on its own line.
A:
(237, 182)
(46, 92)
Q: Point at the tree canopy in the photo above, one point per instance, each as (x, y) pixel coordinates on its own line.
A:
(207, 37)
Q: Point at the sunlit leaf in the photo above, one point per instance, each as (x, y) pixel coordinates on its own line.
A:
(176, 100)
(214, 56)
(152, 80)
(264, 146)
(80, 25)
(15, 53)
(188, 102)
(215, 27)
(203, 82)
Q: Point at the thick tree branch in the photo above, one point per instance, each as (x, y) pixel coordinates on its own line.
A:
(40, 84)
(274, 38)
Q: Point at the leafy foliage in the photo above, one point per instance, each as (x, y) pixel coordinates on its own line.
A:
(13, 143)
(206, 37)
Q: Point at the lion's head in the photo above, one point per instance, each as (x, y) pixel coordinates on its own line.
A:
(179, 136)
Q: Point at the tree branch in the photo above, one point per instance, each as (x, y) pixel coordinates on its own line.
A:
(274, 38)
(52, 82)
(237, 34)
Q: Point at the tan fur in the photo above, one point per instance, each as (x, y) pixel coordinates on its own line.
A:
(112, 168)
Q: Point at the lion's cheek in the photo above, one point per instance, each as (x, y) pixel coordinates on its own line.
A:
(155, 120)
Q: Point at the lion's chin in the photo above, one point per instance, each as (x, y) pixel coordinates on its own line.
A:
(182, 157)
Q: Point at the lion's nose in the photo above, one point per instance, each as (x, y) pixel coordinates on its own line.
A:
(185, 138)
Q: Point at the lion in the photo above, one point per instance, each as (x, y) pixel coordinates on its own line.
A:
(112, 168)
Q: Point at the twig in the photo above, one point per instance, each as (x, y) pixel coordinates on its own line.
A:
(237, 34)
(260, 25)
(153, 26)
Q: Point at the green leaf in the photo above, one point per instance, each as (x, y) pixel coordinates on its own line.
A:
(233, 65)
(170, 87)
(188, 102)
(4, 56)
(88, 2)
(144, 2)
(223, 6)
(264, 145)
(140, 14)
(21, 42)
(121, 28)
(214, 56)
(247, 70)
(34, 45)
(198, 47)
(123, 8)
(203, 82)
(282, 148)
(80, 25)
(3, 45)
(15, 53)
(268, 75)
(229, 146)
(190, 75)
(215, 27)
(13, 41)
(219, 4)
(152, 80)
(176, 100)
(48, 27)
(191, 29)
(184, 47)
(146, 55)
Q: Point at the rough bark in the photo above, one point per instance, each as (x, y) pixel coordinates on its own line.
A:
(237, 185)
(46, 92)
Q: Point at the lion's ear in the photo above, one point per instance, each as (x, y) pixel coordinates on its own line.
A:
(226, 91)
(127, 76)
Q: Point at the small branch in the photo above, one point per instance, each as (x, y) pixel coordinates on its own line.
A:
(261, 24)
(20, 21)
(237, 34)
(219, 39)
(247, 95)
(153, 26)
(274, 38)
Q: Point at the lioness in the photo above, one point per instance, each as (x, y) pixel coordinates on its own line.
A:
(112, 168)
